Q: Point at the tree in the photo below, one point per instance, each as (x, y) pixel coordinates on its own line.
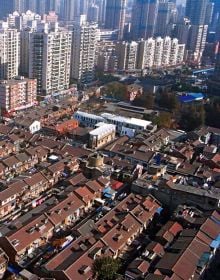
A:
(164, 120)
(145, 100)
(116, 90)
(213, 113)
(106, 268)
(168, 101)
(192, 117)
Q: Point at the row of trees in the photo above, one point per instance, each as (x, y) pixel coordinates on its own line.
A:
(186, 116)
(174, 114)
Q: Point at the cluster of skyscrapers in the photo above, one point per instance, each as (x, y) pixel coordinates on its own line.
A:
(58, 42)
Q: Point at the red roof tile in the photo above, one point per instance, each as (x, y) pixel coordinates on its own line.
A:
(85, 194)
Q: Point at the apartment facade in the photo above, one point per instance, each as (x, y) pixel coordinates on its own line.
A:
(127, 55)
(49, 58)
(151, 53)
(17, 94)
(160, 52)
(197, 41)
(9, 52)
(83, 50)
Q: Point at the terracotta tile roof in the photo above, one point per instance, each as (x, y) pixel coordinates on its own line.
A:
(155, 247)
(139, 265)
(4, 129)
(77, 179)
(103, 181)
(189, 259)
(149, 204)
(15, 188)
(33, 230)
(56, 167)
(203, 237)
(94, 186)
(117, 237)
(113, 231)
(216, 215)
(173, 227)
(49, 143)
(75, 152)
(210, 228)
(38, 151)
(22, 157)
(84, 194)
(64, 208)
(81, 268)
(35, 179)
(121, 140)
(15, 138)
(22, 134)
(10, 161)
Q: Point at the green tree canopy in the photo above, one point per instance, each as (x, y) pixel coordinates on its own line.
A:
(192, 117)
(213, 113)
(164, 120)
(145, 100)
(116, 90)
(168, 101)
(106, 268)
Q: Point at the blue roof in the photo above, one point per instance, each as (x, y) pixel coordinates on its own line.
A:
(108, 192)
(159, 210)
(215, 243)
(190, 97)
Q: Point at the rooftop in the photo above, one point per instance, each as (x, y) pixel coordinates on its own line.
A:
(103, 130)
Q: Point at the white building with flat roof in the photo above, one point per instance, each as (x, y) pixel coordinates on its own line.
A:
(87, 119)
(102, 135)
(138, 125)
(123, 125)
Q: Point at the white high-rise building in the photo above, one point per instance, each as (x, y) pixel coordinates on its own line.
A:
(166, 51)
(84, 42)
(159, 52)
(174, 52)
(181, 53)
(49, 58)
(146, 53)
(127, 55)
(9, 52)
(23, 20)
(197, 40)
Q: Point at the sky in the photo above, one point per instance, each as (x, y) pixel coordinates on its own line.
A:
(181, 1)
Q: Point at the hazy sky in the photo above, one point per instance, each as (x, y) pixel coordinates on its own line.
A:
(181, 1)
